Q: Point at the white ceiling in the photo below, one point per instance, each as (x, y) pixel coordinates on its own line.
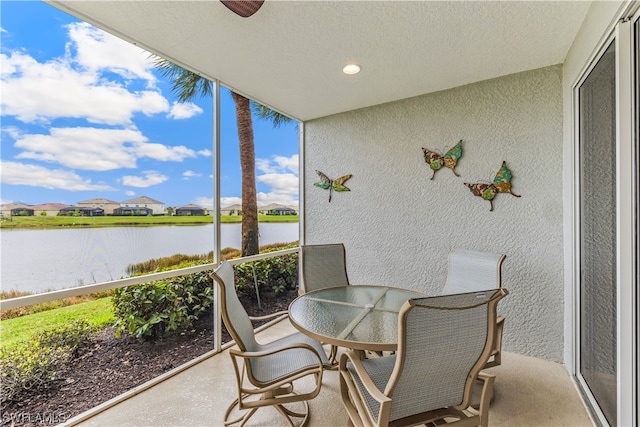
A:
(290, 54)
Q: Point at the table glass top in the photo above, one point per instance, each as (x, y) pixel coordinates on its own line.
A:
(359, 317)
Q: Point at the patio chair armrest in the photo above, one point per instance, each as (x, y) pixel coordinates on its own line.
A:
(243, 369)
(352, 393)
(485, 396)
(288, 347)
(268, 316)
(497, 340)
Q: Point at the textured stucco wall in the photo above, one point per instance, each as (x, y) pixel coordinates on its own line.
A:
(398, 226)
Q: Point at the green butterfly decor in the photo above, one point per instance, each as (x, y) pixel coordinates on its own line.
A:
(449, 160)
(331, 184)
(501, 184)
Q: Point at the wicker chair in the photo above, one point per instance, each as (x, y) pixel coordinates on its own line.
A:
(324, 266)
(443, 343)
(265, 373)
(476, 271)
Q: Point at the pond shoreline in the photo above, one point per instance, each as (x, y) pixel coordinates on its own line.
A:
(44, 222)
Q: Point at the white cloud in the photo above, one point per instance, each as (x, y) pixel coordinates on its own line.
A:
(34, 92)
(289, 163)
(77, 86)
(190, 174)
(97, 50)
(280, 183)
(228, 201)
(184, 110)
(149, 179)
(264, 165)
(164, 153)
(281, 175)
(83, 148)
(37, 176)
(263, 199)
(130, 193)
(205, 202)
(282, 199)
(277, 164)
(284, 189)
(95, 148)
(205, 153)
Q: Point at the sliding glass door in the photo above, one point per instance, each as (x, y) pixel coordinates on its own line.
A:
(606, 330)
(597, 115)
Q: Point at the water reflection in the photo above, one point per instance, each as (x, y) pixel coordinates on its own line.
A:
(40, 260)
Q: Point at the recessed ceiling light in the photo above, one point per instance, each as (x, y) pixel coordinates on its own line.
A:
(351, 69)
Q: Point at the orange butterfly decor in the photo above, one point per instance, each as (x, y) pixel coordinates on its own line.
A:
(501, 184)
(449, 160)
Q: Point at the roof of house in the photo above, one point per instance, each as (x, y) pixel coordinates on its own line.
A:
(143, 200)
(191, 206)
(99, 200)
(235, 206)
(49, 206)
(132, 208)
(8, 206)
(282, 208)
(80, 208)
(272, 206)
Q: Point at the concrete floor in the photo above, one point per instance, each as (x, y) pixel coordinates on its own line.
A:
(528, 392)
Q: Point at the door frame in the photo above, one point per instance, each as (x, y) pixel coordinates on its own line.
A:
(622, 33)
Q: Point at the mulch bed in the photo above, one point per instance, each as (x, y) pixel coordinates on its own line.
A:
(109, 366)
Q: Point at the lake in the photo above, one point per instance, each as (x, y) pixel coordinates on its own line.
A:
(41, 260)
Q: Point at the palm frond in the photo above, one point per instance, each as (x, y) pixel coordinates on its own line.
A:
(266, 113)
(186, 85)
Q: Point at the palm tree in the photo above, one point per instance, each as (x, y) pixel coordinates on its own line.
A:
(188, 85)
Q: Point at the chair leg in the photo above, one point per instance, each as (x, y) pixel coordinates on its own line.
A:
(242, 419)
(333, 355)
(284, 411)
(288, 413)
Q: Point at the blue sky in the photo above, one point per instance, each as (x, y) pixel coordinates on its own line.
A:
(85, 115)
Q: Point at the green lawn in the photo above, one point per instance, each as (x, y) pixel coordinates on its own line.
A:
(38, 221)
(97, 313)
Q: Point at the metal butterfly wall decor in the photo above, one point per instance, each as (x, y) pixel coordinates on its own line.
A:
(332, 184)
(501, 184)
(449, 160)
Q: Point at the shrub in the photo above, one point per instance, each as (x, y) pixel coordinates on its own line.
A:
(37, 361)
(168, 263)
(277, 274)
(156, 309)
(159, 308)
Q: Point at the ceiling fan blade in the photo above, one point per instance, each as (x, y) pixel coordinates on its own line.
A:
(244, 8)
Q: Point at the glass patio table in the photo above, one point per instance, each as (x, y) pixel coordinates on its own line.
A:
(358, 317)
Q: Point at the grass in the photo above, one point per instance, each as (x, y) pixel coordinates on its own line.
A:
(38, 221)
(98, 313)
(44, 306)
